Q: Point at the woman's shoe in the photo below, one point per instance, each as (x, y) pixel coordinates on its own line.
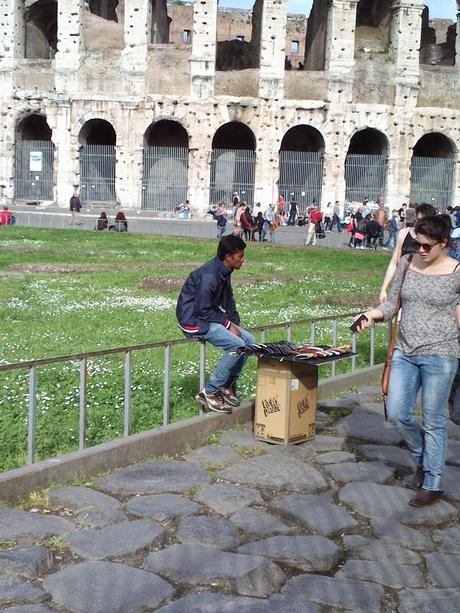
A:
(417, 480)
(425, 498)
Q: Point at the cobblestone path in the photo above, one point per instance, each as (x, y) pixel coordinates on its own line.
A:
(244, 526)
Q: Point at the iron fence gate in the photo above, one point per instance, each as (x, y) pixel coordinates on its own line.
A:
(33, 179)
(365, 176)
(301, 175)
(97, 173)
(164, 177)
(232, 170)
(432, 181)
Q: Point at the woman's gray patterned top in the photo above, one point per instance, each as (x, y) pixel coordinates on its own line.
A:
(428, 324)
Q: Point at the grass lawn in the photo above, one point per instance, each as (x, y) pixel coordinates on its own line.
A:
(68, 291)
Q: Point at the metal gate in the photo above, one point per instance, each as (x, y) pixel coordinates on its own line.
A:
(97, 174)
(232, 170)
(164, 177)
(432, 181)
(33, 178)
(301, 176)
(365, 176)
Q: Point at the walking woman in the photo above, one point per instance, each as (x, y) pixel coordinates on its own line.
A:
(247, 223)
(426, 353)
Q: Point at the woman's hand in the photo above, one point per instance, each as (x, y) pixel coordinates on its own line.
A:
(364, 323)
(383, 295)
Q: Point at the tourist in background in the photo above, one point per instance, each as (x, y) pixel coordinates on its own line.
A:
(293, 213)
(102, 222)
(328, 215)
(393, 225)
(120, 224)
(75, 207)
(336, 217)
(247, 224)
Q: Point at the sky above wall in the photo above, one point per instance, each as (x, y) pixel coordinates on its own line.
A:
(445, 9)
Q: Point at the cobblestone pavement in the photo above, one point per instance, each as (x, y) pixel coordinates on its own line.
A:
(244, 526)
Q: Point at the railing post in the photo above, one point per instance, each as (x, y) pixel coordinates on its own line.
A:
(166, 385)
(82, 413)
(312, 333)
(372, 345)
(353, 348)
(289, 333)
(262, 336)
(31, 418)
(127, 417)
(202, 369)
(334, 343)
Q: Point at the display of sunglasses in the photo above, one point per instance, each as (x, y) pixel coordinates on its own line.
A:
(427, 247)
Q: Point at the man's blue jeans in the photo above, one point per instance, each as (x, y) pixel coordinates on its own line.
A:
(229, 366)
(427, 444)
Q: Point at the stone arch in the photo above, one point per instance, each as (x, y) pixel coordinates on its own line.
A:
(97, 139)
(97, 132)
(33, 127)
(41, 29)
(303, 138)
(366, 166)
(432, 169)
(369, 141)
(234, 135)
(166, 133)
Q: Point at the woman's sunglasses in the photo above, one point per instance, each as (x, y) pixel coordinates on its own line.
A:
(427, 247)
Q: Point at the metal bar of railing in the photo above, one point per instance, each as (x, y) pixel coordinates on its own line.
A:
(334, 342)
(289, 333)
(353, 348)
(82, 412)
(312, 332)
(262, 336)
(31, 417)
(127, 375)
(202, 368)
(166, 385)
(372, 344)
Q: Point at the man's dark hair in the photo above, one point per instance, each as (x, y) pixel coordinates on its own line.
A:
(425, 209)
(228, 245)
(437, 227)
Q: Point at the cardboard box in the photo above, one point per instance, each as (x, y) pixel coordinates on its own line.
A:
(286, 396)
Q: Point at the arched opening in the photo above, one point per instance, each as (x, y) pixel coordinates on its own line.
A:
(238, 37)
(40, 24)
(104, 8)
(366, 166)
(438, 38)
(316, 36)
(233, 163)
(34, 159)
(97, 138)
(301, 165)
(432, 170)
(160, 22)
(373, 27)
(165, 166)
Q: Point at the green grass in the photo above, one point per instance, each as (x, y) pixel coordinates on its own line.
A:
(65, 292)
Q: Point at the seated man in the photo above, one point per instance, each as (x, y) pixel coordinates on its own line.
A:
(206, 310)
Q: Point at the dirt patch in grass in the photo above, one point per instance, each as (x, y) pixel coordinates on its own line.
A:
(355, 299)
(71, 268)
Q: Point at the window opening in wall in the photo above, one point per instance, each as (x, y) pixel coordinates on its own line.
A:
(165, 166)
(40, 25)
(238, 37)
(366, 166)
(315, 37)
(107, 9)
(432, 171)
(186, 36)
(301, 166)
(34, 159)
(438, 39)
(373, 27)
(294, 46)
(232, 164)
(97, 162)
(161, 22)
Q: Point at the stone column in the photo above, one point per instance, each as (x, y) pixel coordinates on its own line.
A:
(340, 49)
(11, 41)
(199, 166)
(7, 157)
(456, 185)
(66, 164)
(203, 57)
(137, 34)
(70, 46)
(406, 31)
(334, 177)
(457, 40)
(273, 49)
(129, 150)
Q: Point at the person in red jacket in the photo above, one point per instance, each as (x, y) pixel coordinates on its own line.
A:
(314, 218)
(4, 216)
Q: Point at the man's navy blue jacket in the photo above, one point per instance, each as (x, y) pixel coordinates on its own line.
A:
(206, 298)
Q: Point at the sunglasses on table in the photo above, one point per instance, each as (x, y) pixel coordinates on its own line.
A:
(427, 247)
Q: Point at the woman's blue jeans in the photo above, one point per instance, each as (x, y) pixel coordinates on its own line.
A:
(229, 366)
(427, 444)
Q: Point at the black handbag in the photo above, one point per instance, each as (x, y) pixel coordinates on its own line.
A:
(454, 399)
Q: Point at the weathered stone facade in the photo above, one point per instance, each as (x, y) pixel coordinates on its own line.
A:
(107, 78)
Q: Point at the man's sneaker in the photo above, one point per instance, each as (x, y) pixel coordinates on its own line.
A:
(230, 398)
(214, 402)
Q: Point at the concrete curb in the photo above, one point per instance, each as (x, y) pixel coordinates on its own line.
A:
(165, 440)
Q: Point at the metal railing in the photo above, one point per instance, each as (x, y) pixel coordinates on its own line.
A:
(33, 365)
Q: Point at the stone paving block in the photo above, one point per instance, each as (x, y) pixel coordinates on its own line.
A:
(16, 524)
(428, 601)
(196, 565)
(451, 482)
(157, 477)
(162, 507)
(99, 517)
(309, 553)
(453, 453)
(391, 531)
(317, 513)
(76, 498)
(216, 456)
(373, 500)
(372, 408)
(211, 531)
(28, 608)
(378, 472)
(443, 569)
(257, 523)
(100, 587)
(368, 428)
(225, 498)
(389, 574)
(374, 549)
(453, 431)
(274, 471)
(14, 589)
(393, 456)
(295, 452)
(207, 602)
(335, 457)
(118, 540)
(448, 539)
(352, 596)
(335, 403)
(26, 560)
(241, 438)
(324, 442)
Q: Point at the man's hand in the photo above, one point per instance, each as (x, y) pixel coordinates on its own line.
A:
(234, 330)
